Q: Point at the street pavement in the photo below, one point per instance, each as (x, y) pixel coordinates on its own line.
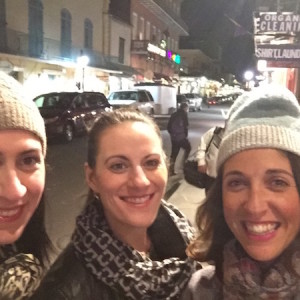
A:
(184, 196)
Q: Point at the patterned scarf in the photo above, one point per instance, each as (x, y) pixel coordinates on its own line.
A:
(20, 274)
(122, 267)
(245, 278)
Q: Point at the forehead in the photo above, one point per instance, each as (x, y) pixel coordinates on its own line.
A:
(259, 158)
(129, 132)
(15, 138)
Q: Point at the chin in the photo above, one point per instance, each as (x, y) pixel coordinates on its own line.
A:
(10, 237)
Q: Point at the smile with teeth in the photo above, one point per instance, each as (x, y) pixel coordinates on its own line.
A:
(137, 200)
(5, 213)
(260, 229)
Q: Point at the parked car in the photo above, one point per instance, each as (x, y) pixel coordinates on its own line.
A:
(195, 101)
(69, 113)
(139, 99)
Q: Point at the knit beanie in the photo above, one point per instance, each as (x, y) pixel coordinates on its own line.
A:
(267, 117)
(18, 112)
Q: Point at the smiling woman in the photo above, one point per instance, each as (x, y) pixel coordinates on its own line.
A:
(249, 223)
(128, 243)
(24, 242)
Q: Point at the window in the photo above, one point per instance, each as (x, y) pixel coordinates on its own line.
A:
(147, 35)
(158, 36)
(141, 29)
(121, 50)
(3, 38)
(88, 34)
(65, 33)
(35, 25)
(134, 22)
(153, 37)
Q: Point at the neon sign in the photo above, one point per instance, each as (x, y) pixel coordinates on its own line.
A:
(173, 56)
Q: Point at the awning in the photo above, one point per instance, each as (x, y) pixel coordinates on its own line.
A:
(127, 71)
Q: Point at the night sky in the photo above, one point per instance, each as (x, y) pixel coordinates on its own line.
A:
(227, 22)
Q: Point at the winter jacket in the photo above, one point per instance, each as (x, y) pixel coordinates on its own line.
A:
(178, 125)
(68, 279)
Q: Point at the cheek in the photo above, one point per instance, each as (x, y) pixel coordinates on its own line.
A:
(230, 207)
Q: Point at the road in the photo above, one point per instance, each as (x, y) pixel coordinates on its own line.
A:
(66, 189)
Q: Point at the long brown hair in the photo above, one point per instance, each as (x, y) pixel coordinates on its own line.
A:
(213, 230)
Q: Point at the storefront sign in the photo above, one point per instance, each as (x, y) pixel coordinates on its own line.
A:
(154, 49)
(277, 22)
(281, 52)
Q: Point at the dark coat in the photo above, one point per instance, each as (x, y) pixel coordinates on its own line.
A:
(69, 279)
(178, 125)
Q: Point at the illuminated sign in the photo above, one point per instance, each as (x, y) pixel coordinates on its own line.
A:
(277, 22)
(284, 52)
(154, 49)
(173, 56)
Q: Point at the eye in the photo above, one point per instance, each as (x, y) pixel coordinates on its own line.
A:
(117, 167)
(152, 163)
(235, 184)
(29, 162)
(279, 184)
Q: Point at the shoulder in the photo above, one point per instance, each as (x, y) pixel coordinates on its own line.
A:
(202, 285)
(69, 279)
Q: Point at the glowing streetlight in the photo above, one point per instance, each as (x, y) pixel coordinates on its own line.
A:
(82, 62)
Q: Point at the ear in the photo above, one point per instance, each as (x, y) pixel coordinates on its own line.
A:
(90, 178)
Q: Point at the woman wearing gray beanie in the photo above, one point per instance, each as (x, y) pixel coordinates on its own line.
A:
(24, 243)
(249, 223)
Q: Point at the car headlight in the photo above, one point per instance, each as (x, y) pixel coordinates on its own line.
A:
(51, 120)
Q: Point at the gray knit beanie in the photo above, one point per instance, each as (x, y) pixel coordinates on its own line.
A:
(17, 112)
(268, 117)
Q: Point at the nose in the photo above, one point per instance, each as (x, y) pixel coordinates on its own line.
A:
(256, 202)
(11, 187)
(138, 177)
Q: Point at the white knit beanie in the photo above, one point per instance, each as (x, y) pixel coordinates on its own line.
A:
(268, 117)
(18, 112)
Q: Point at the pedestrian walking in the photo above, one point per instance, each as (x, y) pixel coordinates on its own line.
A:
(249, 222)
(178, 129)
(24, 243)
(128, 243)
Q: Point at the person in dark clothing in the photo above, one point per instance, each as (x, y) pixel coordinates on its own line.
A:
(178, 130)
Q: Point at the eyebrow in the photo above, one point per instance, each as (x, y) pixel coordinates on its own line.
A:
(126, 158)
(269, 172)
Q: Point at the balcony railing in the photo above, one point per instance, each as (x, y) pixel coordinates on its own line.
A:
(17, 43)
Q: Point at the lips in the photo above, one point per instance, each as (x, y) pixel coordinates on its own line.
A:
(137, 200)
(260, 228)
(9, 215)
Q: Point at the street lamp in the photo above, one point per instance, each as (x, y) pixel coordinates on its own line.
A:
(82, 62)
(248, 75)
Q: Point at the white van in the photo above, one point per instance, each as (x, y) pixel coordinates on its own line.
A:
(164, 96)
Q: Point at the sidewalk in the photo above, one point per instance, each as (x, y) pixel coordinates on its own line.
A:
(184, 196)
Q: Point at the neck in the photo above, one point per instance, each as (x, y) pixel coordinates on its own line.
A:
(137, 238)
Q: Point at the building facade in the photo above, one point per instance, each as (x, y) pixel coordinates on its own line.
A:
(156, 28)
(88, 44)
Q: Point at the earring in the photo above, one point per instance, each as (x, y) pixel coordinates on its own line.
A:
(96, 196)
